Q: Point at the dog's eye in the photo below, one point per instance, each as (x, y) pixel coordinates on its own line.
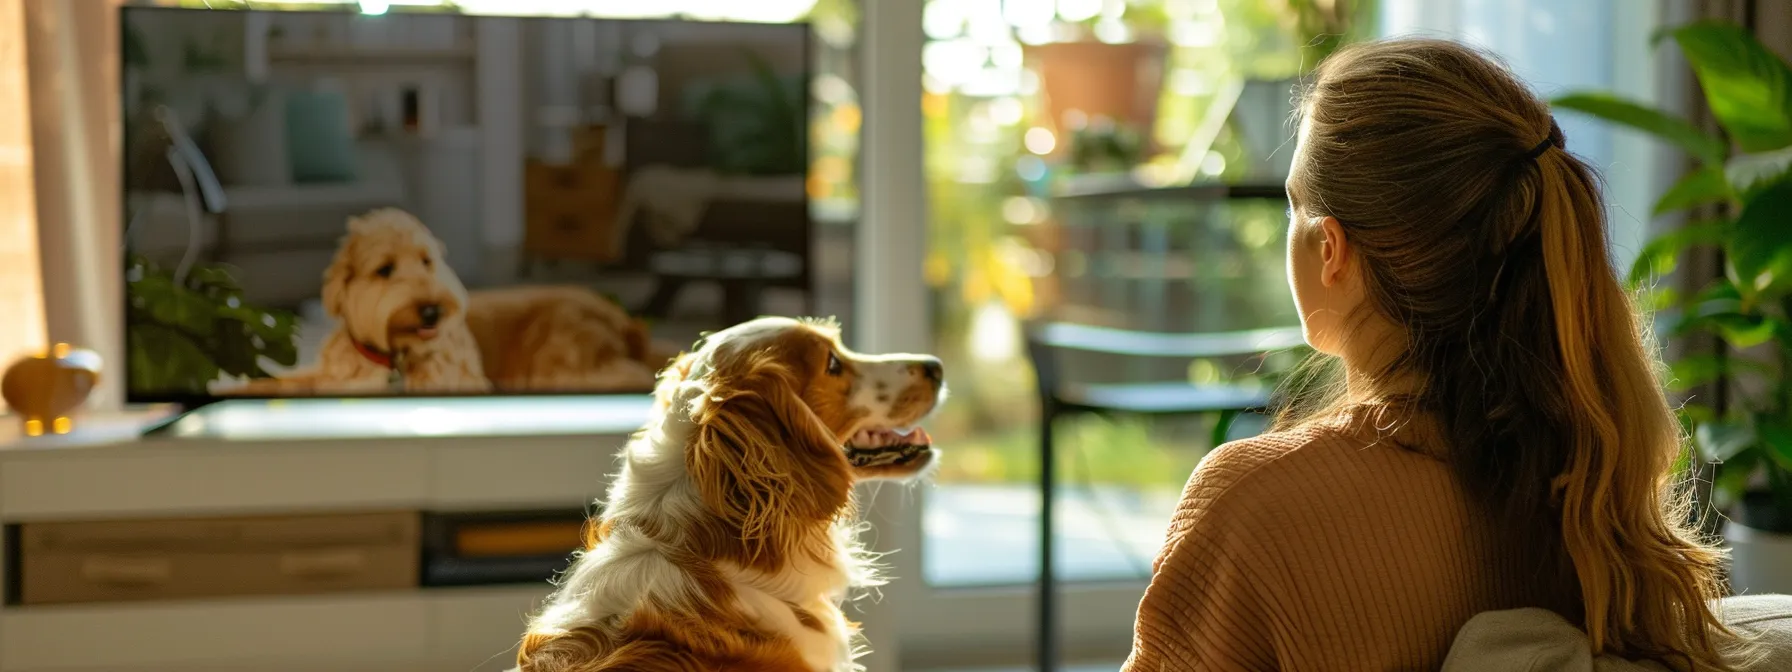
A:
(835, 368)
(384, 271)
(426, 262)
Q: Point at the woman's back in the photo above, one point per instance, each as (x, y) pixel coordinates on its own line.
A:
(1330, 547)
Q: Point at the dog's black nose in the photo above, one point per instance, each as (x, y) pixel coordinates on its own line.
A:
(429, 314)
(932, 369)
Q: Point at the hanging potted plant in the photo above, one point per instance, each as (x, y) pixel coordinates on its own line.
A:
(1746, 175)
(1098, 92)
(1100, 83)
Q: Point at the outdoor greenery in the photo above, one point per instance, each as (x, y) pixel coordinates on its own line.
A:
(1742, 192)
(997, 256)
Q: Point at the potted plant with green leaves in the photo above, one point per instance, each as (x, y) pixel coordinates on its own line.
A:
(189, 327)
(1744, 176)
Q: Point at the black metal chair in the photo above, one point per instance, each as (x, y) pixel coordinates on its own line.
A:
(1060, 398)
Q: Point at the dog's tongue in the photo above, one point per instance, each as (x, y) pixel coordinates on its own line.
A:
(426, 332)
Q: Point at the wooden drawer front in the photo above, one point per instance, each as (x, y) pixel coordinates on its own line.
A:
(571, 211)
(559, 232)
(586, 184)
(163, 559)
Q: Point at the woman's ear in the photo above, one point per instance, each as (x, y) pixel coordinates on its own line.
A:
(1334, 252)
(766, 468)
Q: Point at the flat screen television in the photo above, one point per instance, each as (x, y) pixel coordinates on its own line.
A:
(338, 204)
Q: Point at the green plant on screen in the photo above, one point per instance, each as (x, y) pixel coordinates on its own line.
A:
(185, 334)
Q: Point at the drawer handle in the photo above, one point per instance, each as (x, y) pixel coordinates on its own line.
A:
(127, 571)
(323, 564)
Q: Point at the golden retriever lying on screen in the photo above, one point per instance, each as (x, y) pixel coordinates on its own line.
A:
(727, 540)
(406, 324)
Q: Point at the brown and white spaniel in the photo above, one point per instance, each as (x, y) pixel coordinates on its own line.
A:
(728, 538)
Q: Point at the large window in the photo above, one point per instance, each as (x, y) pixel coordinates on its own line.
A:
(1029, 99)
(1053, 129)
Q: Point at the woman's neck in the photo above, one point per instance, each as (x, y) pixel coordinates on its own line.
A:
(1368, 357)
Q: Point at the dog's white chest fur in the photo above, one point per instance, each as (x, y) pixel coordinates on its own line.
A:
(816, 590)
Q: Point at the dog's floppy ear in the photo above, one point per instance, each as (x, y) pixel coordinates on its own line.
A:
(762, 461)
(671, 377)
(338, 275)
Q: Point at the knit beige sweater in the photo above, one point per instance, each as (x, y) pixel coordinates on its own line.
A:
(1324, 548)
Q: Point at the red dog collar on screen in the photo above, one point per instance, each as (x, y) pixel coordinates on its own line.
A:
(372, 355)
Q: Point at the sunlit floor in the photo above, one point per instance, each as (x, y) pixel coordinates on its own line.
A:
(988, 534)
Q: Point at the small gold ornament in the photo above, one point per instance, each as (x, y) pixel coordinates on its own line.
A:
(43, 389)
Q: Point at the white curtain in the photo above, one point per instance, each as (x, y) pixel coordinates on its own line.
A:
(72, 57)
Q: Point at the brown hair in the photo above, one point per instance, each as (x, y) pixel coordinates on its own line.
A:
(1485, 241)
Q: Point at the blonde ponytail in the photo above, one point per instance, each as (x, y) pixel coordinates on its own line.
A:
(1644, 577)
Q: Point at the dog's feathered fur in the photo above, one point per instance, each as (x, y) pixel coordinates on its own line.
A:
(728, 542)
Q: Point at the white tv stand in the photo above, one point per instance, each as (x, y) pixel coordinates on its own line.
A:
(312, 456)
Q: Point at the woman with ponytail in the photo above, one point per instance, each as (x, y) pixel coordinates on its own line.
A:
(1498, 438)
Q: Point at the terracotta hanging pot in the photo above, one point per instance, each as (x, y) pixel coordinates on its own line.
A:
(1119, 81)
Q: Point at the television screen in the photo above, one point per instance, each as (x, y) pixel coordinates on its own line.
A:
(339, 204)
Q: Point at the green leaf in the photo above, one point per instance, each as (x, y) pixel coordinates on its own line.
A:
(1694, 370)
(1699, 187)
(1776, 437)
(1697, 370)
(1744, 331)
(144, 372)
(1720, 441)
(1720, 293)
(171, 305)
(217, 277)
(1657, 299)
(1692, 415)
(1760, 248)
(1748, 88)
(1660, 255)
(1779, 488)
(1748, 172)
(167, 360)
(1708, 149)
(1223, 426)
(268, 324)
(1740, 330)
(1732, 478)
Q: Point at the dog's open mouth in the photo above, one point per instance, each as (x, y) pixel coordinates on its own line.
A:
(887, 447)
